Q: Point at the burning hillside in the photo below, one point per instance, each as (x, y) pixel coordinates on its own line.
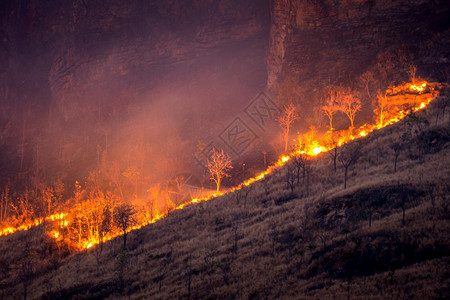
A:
(92, 216)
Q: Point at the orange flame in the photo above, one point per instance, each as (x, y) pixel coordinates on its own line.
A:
(396, 105)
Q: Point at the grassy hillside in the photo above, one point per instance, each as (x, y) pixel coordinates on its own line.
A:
(385, 236)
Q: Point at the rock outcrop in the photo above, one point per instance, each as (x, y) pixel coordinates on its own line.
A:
(329, 41)
(80, 51)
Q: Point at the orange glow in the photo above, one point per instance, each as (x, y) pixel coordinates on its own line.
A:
(317, 150)
(81, 224)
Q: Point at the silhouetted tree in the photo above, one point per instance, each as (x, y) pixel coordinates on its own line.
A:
(242, 193)
(218, 166)
(299, 162)
(290, 177)
(124, 218)
(397, 148)
(332, 143)
(366, 78)
(348, 156)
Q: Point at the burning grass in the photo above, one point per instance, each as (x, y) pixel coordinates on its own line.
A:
(94, 220)
(304, 247)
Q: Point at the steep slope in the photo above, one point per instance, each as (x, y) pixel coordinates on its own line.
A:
(385, 236)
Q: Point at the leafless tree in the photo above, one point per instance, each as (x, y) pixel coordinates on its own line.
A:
(286, 120)
(349, 104)
(332, 143)
(397, 148)
(242, 194)
(218, 166)
(349, 155)
(290, 177)
(331, 106)
(367, 78)
(299, 162)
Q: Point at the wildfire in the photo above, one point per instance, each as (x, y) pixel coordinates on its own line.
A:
(80, 225)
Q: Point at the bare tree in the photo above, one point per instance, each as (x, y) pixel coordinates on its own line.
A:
(242, 193)
(299, 162)
(290, 177)
(124, 217)
(397, 148)
(349, 155)
(218, 166)
(331, 106)
(349, 104)
(333, 144)
(367, 77)
(286, 120)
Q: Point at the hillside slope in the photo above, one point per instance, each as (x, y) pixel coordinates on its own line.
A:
(386, 236)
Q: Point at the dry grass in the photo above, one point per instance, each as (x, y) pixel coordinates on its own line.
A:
(275, 245)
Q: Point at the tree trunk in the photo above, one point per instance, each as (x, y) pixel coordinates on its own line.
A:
(345, 178)
(335, 158)
(125, 240)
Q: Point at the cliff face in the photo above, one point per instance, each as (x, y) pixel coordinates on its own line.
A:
(79, 78)
(88, 73)
(336, 41)
(79, 49)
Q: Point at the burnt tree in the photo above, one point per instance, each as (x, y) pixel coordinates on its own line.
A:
(348, 156)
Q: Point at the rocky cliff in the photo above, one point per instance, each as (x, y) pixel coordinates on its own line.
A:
(95, 49)
(327, 42)
(79, 76)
